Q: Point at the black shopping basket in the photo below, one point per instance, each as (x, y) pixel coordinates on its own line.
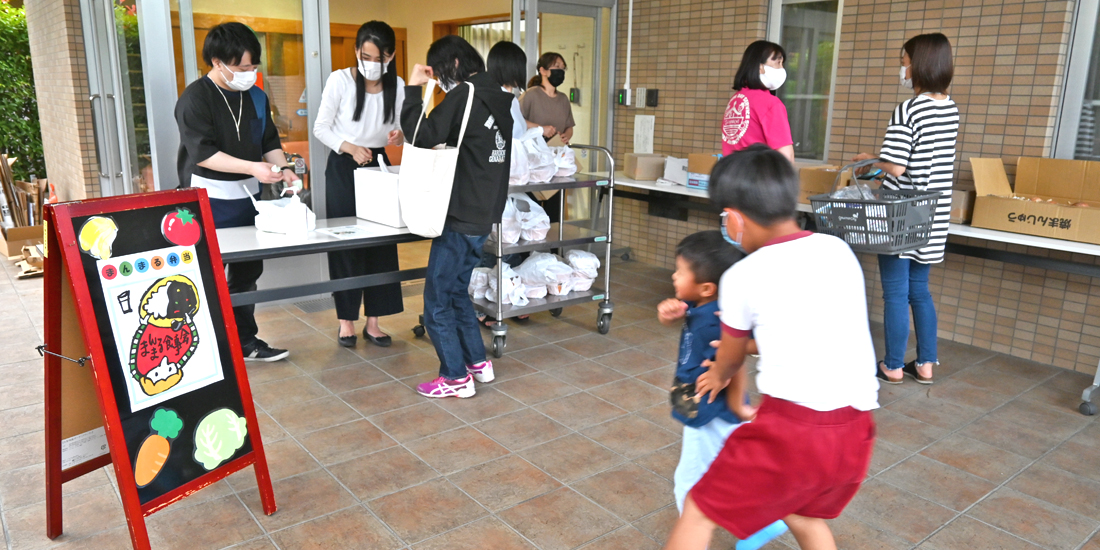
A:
(895, 221)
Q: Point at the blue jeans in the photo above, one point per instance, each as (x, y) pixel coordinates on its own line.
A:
(449, 315)
(905, 286)
(699, 449)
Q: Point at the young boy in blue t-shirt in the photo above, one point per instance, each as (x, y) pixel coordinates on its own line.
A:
(701, 259)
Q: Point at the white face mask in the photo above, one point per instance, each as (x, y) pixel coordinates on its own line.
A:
(241, 81)
(371, 70)
(773, 78)
(447, 87)
(905, 82)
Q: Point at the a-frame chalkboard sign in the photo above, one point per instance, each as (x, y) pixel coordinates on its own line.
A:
(143, 365)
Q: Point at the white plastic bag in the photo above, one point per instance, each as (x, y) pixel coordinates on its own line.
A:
(581, 282)
(520, 172)
(535, 292)
(584, 262)
(560, 272)
(286, 215)
(534, 271)
(509, 224)
(533, 221)
(566, 161)
(515, 292)
(542, 165)
(479, 282)
(560, 289)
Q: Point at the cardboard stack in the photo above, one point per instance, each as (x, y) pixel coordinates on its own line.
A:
(24, 202)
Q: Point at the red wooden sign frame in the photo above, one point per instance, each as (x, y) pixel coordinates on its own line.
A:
(63, 253)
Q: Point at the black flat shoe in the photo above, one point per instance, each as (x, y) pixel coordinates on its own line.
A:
(346, 341)
(382, 341)
(910, 369)
(882, 376)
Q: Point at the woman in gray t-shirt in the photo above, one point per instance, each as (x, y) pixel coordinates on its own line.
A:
(543, 105)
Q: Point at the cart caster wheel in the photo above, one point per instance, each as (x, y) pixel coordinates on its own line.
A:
(1087, 408)
(498, 346)
(556, 312)
(625, 256)
(419, 331)
(603, 324)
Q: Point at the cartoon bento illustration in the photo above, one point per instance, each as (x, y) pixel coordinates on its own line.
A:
(166, 338)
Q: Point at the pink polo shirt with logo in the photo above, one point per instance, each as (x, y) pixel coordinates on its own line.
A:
(755, 116)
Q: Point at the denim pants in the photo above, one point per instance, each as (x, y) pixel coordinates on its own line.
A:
(449, 315)
(905, 286)
(699, 449)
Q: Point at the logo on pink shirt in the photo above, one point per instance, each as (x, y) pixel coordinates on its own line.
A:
(736, 121)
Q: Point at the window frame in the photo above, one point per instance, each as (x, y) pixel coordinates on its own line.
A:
(1077, 63)
(775, 34)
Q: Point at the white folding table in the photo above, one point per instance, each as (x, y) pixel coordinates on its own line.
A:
(240, 244)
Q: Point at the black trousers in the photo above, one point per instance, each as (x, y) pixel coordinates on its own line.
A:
(378, 301)
(240, 276)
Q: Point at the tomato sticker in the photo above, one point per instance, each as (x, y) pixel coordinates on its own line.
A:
(180, 227)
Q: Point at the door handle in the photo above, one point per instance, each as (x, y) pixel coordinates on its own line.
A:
(98, 156)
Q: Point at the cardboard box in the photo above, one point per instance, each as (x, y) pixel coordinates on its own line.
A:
(702, 163)
(676, 170)
(962, 206)
(699, 167)
(818, 180)
(15, 238)
(1061, 187)
(376, 196)
(644, 167)
(698, 181)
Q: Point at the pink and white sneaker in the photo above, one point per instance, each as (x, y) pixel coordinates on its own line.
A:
(482, 372)
(441, 387)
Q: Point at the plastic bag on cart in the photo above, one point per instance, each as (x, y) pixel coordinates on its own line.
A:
(536, 292)
(515, 292)
(479, 282)
(566, 161)
(509, 224)
(534, 271)
(520, 172)
(582, 282)
(541, 164)
(561, 289)
(584, 262)
(533, 221)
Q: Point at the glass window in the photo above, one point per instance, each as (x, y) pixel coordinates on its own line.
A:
(1087, 144)
(808, 32)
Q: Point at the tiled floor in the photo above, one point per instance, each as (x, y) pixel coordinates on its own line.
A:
(571, 447)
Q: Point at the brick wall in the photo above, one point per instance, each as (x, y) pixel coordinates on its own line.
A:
(61, 83)
(1009, 62)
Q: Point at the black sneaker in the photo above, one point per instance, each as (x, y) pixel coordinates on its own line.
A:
(260, 351)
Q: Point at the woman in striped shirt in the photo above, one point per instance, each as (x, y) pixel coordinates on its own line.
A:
(918, 153)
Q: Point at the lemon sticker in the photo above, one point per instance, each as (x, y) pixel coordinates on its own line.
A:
(97, 235)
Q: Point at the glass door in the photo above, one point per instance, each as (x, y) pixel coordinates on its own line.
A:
(117, 96)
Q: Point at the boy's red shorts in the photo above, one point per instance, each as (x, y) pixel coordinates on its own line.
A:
(790, 460)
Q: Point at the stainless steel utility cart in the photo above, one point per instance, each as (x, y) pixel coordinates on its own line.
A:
(567, 235)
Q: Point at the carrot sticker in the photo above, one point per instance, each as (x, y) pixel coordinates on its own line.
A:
(152, 454)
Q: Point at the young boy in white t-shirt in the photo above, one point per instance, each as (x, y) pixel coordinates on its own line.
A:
(806, 453)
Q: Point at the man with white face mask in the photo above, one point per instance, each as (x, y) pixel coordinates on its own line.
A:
(228, 146)
(755, 114)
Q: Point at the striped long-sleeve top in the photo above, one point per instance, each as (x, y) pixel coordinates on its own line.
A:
(921, 137)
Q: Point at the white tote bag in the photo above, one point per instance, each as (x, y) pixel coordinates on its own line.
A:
(427, 176)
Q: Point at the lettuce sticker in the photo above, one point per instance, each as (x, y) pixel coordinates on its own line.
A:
(218, 436)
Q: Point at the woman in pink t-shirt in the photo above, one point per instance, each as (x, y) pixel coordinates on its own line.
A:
(754, 114)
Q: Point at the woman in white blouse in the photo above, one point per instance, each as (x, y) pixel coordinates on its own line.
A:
(359, 116)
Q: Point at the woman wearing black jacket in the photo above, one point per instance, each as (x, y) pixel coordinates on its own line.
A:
(477, 201)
